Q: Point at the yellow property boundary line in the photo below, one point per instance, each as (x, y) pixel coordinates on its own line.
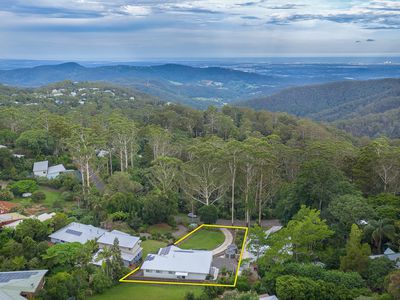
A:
(123, 279)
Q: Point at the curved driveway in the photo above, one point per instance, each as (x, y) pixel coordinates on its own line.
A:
(228, 240)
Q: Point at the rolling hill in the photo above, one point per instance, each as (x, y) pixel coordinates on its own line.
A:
(196, 86)
(370, 107)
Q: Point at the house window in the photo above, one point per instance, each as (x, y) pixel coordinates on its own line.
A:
(149, 271)
(158, 271)
(170, 272)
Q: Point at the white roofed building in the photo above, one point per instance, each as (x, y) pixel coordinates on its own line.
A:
(21, 285)
(174, 263)
(76, 232)
(42, 169)
(130, 246)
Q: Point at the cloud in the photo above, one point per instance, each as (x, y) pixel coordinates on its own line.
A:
(266, 25)
(135, 10)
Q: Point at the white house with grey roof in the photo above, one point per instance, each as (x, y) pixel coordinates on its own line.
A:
(20, 285)
(174, 263)
(76, 232)
(42, 169)
(130, 246)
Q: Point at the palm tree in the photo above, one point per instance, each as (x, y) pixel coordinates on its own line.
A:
(380, 229)
(105, 254)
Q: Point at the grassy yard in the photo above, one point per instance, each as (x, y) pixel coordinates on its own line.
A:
(151, 246)
(52, 196)
(137, 291)
(203, 239)
(160, 228)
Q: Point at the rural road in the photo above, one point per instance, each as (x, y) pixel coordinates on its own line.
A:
(228, 240)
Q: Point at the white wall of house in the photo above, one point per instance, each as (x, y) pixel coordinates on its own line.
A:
(172, 275)
(53, 175)
(136, 250)
(40, 173)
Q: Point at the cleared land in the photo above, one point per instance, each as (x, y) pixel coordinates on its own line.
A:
(203, 239)
(147, 291)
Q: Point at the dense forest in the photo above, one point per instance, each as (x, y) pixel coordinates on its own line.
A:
(363, 108)
(336, 195)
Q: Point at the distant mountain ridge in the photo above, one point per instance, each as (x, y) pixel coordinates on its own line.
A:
(195, 86)
(370, 107)
(199, 85)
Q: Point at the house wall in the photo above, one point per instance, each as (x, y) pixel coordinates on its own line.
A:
(136, 250)
(168, 275)
(40, 173)
(53, 175)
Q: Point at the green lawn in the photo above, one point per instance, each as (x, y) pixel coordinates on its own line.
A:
(160, 228)
(52, 195)
(151, 246)
(137, 291)
(203, 239)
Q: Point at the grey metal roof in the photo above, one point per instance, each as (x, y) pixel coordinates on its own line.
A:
(12, 284)
(124, 239)
(76, 232)
(56, 169)
(41, 166)
(175, 259)
(389, 251)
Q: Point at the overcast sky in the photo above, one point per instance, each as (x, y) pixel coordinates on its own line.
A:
(145, 29)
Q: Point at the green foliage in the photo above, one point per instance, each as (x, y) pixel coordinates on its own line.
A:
(379, 231)
(23, 186)
(38, 196)
(36, 140)
(100, 281)
(303, 288)
(157, 207)
(300, 237)
(357, 254)
(6, 195)
(32, 228)
(65, 256)
(378, 269)
(208, 214)
(392, 284)
(350, 209)
(235, 295)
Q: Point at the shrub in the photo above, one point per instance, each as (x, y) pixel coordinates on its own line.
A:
(6, 195)
(38, 196)
(67, 196)
(24, 186)
(208, 214)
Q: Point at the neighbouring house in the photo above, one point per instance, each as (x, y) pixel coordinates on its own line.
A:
(76, 232)
(42, 217)
(10, 218)
(42, 169)
(390, 254)
(130, 246)
(174, 263)
(102, 153)
(2, 146)
(21, 285)
(18, 155)
(267, 297)
(6, 206)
